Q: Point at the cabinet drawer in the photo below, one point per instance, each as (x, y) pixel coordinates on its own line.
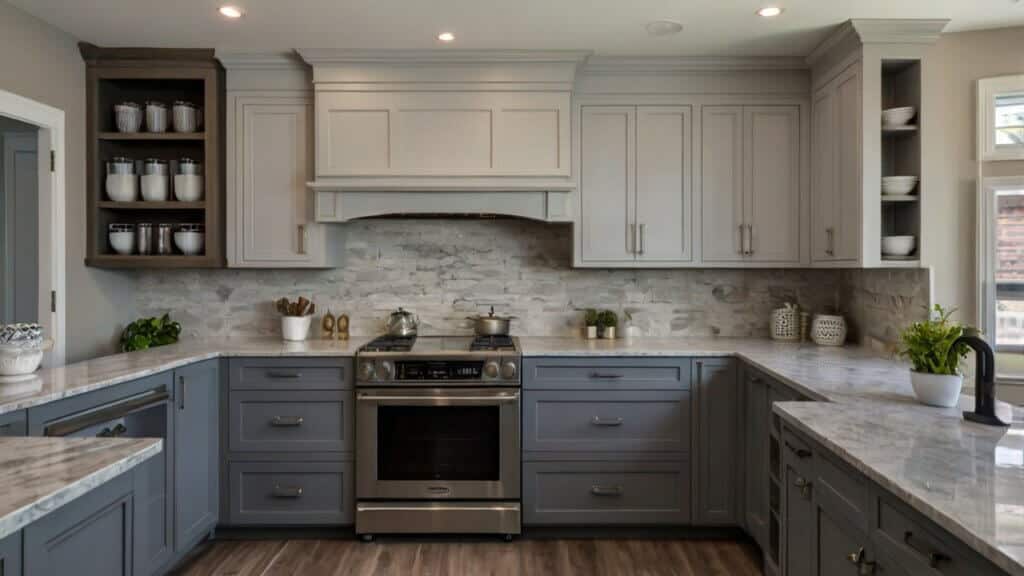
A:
(290, 493)
(606, 421)
(607, 373)
(291, 421)
(291, 374)
(14, 424)
(609, 493)
(841, 489)
(901, 536)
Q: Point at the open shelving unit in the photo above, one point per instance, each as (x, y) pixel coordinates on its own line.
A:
(901, 156)
(165, 75)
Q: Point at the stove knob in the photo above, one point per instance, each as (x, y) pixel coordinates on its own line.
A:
(509, 371)
(386, 369)
(366, 371)
(491, 369)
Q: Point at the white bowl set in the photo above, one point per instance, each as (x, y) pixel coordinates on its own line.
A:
(903, 245)
(189, 239)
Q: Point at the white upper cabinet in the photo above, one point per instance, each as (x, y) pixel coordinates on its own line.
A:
(722, 184)
(635, 186)
(443, 134)
(750, 184)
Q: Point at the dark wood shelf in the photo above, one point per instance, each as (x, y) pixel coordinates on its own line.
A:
(141, 261)
(170, 205)
(152, 136)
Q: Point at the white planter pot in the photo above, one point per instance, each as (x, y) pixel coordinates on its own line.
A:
(591, 332)
(295, 328)
(937, 389)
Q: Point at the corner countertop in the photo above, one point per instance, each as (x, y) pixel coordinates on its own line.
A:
(40, 475)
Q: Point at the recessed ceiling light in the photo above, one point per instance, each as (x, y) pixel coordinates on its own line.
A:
(769, 11)
(663, 28)
(446, 37)
(229, 11)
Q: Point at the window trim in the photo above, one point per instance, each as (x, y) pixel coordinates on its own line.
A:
(988, 90)
(986, 285)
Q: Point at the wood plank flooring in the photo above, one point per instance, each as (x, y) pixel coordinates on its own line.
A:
(484, 558)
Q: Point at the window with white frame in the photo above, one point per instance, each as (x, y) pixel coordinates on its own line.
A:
(1001, 271)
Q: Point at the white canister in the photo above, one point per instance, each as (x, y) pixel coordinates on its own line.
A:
(295, 328)
(121, 184)
(188, 187)
(186, 117)
(156, 116)
(128, 117)
(154, 188)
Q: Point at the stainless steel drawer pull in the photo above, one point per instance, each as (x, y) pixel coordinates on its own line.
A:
(286, 421)
(934, 558)
(605, 376)
(800, 453)
(606, 490)
(284, 375)
(804, 485)
(439, 490)
(864, 567)
(598, 421)
(287, 491)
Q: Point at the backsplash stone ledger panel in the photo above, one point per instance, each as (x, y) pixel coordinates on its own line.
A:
(446, 269)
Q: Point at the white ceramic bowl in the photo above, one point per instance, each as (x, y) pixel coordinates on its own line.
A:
(898, 245)
(898, 185)
(190, 243)
(154, 187)
(188, 187)
(122, 242)
(122, 187)
(941, 390)
(898, 116)
(19, 360)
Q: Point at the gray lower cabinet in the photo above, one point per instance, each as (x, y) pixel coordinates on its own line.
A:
(89, 536)
(291, 493)
(756, 444)
(602, 493)
(291, 421)
(716, 486)
(13, 424)
(10, 555)
(197, 453)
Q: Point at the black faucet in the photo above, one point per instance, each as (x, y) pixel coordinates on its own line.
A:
(984, 380)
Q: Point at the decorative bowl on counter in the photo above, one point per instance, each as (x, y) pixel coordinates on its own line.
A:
(21, 350)
(828, 330)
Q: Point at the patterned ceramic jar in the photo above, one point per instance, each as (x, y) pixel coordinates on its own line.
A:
(828, 330)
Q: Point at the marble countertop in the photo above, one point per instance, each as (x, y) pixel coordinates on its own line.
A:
(40, 475)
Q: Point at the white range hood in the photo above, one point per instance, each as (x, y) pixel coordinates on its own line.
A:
(443, 132)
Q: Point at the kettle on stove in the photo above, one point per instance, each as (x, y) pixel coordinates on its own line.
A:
(402, 323)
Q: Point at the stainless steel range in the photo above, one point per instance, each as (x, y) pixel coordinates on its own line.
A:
(437, 439)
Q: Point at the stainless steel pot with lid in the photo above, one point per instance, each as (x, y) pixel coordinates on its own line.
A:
(491, 325)
(402, 323)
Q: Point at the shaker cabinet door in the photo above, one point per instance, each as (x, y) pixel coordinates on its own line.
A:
(823, 176)
(722, 178)
(272, 161)
(607, 184)
(848, 170)
(716, 423)
(196, 452)
(772, 191)
(663, 196)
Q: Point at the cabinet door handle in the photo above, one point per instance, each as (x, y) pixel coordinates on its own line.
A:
(743, 242)
(643, 228)
(631, 239)
(287, 421)
(804, 485)
(864, 567)
(606, 490)
(750, 239)
(287, 491)
(303, 237)
(605, 376)
(934, 558)
(830, 236)
(598, 421)
(181, 396)
(284, 375)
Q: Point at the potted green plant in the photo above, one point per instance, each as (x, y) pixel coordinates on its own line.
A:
(590, 318)
(935, 356)
(149, 332)
(608, 322)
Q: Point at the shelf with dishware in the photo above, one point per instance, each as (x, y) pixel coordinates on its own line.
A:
(155, 186)
(901, 162)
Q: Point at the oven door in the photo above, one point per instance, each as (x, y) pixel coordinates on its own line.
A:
(437, 444)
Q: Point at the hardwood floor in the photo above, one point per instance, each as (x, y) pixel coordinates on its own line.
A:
(478, 558)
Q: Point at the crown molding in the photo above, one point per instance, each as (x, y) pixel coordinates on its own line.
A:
(637, 65)
(246, 60)
(399, 57)
(880, 31)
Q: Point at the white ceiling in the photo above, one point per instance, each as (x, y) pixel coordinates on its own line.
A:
(711, 27)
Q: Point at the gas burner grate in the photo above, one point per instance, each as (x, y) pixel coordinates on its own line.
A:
(389, 344)
(492, 343)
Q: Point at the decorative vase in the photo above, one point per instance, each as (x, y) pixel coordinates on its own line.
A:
(941, 390)
(785, 323)
(609, 333)
(591, 332)
(828, 330)
(295, 328)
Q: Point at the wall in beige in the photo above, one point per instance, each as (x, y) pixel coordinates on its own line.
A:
(949, 239)
(40, 62)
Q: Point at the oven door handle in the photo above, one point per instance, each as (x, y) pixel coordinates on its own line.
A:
(435, 400)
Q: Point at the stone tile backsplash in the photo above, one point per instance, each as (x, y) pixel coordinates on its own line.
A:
(879, 303)
(446, 269)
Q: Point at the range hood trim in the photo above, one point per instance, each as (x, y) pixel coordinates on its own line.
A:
(333, 205)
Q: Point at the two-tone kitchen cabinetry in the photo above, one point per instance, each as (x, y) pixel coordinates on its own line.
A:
(289, 440)
(751, 184)
(636, 200)
(837, 522)
(196, 452)
(606, 441)
(270, 222)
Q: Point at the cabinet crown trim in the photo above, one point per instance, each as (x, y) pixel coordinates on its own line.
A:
(280, 60)
(635, 65)
(880, 31)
